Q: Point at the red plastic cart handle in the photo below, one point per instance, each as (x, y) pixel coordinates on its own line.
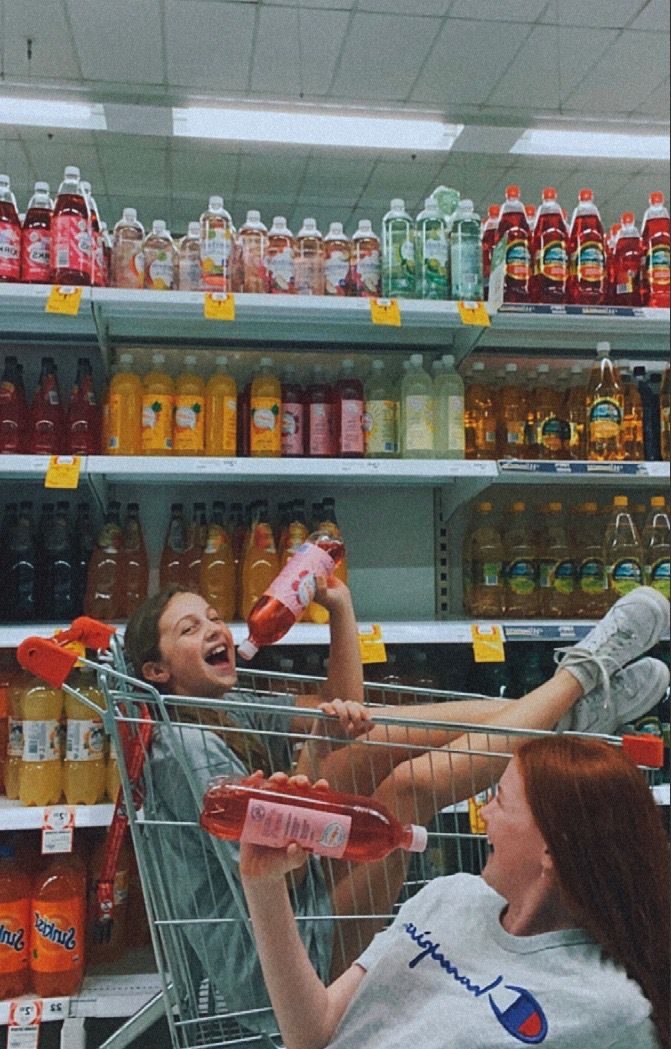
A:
(644, 750)
(48, 659)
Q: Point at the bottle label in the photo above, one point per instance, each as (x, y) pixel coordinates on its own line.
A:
(14, 738)
(216, 539)
(592, 576)
(84, 740)
(399, 259)
(520, 576)
(215, 250)
(517, 261)
(296, 536)
(189, 273)
(70, 243)
(551, 262)
(487, 573)
(351, 427)
(605, 419)
(36, 256)
(292, 428)
(545, 567)
(57, 935)
(159, 272)
(254, 272)
(336, 270)
(366, 272)
(41, 741)
(189, 424)
(659, 576)
(324, 833)
(658, 266)
(418, 423)
(266, 436)
(434, 261)
(563, 577)
(320, 429)
(157, 422)
(309, 275)
(380, 427)
(10, 252)
(466, 269)
(262, 537)
(14, 935)
(280, 268)
(455, 423)
(109, 539)
(297, 588)
(625, 575)
(550, 434)
(515, 432)
(589, 262)
(128, 264)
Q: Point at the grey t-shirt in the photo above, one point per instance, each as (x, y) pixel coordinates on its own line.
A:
(200, 874)
(446, 975)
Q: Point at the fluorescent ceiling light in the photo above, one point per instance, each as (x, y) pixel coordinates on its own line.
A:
(315, 129)
(38, 112)
(619, 146)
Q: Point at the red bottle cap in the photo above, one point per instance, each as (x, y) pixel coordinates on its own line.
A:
(656, 197)
(585, 194)
(615, 228)
(512, 191)
(494, 211)
(530, 211)
(627, 218)
(549, 193)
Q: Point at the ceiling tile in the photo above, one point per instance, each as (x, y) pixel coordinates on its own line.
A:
(50, 156)
(332, 5)
(119, 42)
(296, 50)
(53, 52)
(611, 13)
(425, 8)
(13, 162)
(646, 55)
(382, 56)
(656, 14)
(657, 102)
(496, 10)
(126, 166)
(209, 44)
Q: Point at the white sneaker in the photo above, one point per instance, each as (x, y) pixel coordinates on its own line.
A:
(632, 626)
(632, 693)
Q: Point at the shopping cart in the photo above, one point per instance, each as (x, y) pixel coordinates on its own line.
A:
(168, 749)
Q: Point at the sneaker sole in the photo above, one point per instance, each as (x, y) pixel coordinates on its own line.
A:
(657, 681)
(654, 600)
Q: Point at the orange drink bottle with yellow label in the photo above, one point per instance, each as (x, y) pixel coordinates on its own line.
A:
(189, 421)
(265, 426)
(57, 921)
(84, 764)
(122, 412)
(158, 401)
(15, 925)
(261, 563)
(41, 771)
(221, 411)
(217, 566)
(14, 734)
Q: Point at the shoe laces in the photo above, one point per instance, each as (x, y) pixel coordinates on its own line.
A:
(575, 655)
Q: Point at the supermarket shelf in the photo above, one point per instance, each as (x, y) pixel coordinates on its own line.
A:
(15, 816)
(573, 330)
(22, 316)
(100, 996)
(523, 471)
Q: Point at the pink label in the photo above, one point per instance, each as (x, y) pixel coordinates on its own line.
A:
(267, 823)
(35, 255)
(10, 251)
(292, 428)
(295, 586)
(71, 243)
(351, 426)
(321, 427)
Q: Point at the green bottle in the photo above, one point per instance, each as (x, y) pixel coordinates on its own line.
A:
(431, 253)
(398, 253)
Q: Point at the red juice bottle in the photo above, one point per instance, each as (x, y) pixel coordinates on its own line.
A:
(627, 287)
(587, 253)
(12, 409)
(320, 416)
(513, 229)
(609, 244)
(71, 250)
(97, 243)
(322, 821)
(488, 241)
(82, 424)
(46, 413)
(293, 415)
(656, 238)
(549, 251)
(349, 407)
(36, 237)
(10, 234)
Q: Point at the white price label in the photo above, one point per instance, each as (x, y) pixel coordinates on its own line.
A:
(58, 828)
(23, 1029)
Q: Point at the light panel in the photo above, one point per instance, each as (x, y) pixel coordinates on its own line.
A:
(616, 145)
(42, 112)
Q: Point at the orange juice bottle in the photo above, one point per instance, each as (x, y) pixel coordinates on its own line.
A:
(221, 411)
(123, 415)
(261, 563)
(58, 914)
(189, 423)
(102, 950)
(14, 924)
(217, 566)
(41, 771)
(158, 398)
(266, 412)
(14, 733)
(84, 764)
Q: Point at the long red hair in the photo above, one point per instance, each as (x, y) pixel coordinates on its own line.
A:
(606, 838)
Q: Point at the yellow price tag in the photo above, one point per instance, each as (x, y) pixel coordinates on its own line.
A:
(472, 312)
(219, 306)
(475, 805)
(371, 646)
(63, 471)
(64, 299)
(385, 311)
(487, 643)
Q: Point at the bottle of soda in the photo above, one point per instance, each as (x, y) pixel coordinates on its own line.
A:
(633, 415)
(364, 269)
(325, 822)
(58, 589)
(349, 406)
(513, 231)
(196, 538)
(380, 422)
(479, 416)
(466, 253)
(217, 567)
(293, 415)
(549, 250)
(10, 234)
(280, 258)
(556, 567)
(655, 540)
(251, 249)
(337, 253)
(15, 889)
(82, 423)
(575, 413)
(320, 410)
(417, 408)
(521, 566)
(483, 565)
(22, 565)
(605, 408)
(221, 411)
(134, 565)
(548, 406)
(13, 410)
(85, 542)
(611, 266)
(587, 265)
(58, 914)
(101, 599)
(512, 419)
(36, 237)
(172, 558)
(489, 232)
(622, 550)
(97, 242)
(432, 276)
(46, 413)
(309, 260)
(216, 242)
(127, 269)
(627, 264)
(656, 238)
(398, 252)
(160, 258)
(590, 598)
(71, 248)
(188, 262)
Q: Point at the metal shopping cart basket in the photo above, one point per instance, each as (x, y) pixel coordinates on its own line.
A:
(169, 747)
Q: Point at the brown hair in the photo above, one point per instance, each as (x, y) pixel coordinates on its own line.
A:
(606, 838)
(142, 642)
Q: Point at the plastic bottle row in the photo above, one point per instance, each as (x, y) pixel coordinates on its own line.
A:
(550, 563)
(48, 426)
(612, 413)
(48, 915)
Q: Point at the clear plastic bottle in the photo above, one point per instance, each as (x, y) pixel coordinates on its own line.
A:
(590, 599)
(417, 411)
(21, 565)
(57, 561)
(489, 232)
(252, 247)
(261, 563)
(587, 265)
(101, 599)
(349, 409)
(266, 411)
(84, 762)
(380, 421)
(10, 234)
(337, 252)
(127, 255)
(605, 408)
(36, 237)
(549, 251)
(46, 413)
(293, 415)
(365, 262)
(656, 542)
(280, 258)
(556, 567)
(196, 539)
(18, 682)
(189, 418)
(71, 247)
(548, 409)
(511, 423)
(432, 272)
(479, 416)
(13, 410)
(221, 409)
(611, 268)
(41, 770)
(188, 260)
(466, 253)
(575, 413)
(622, 550)
(633, 415)
(216, 242)
(309, 260)
(398, 252)
(217, 566)
(158, 402)
(448, 409)
(521, 566)
(97, 242)
(513, 230)
(171, 566)
(656, 239)
(133, 581)
(82, 420)
(58, 918)
(160, 258)
(124, 410)
(627, 263)
(483, 565)
(320, 412)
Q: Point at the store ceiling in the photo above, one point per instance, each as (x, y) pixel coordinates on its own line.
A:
(511, 63)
